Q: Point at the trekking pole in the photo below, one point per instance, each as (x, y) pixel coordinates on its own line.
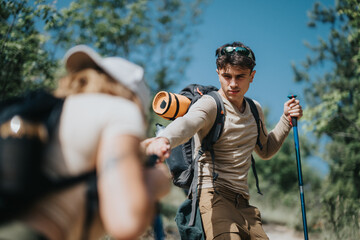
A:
(298, 161)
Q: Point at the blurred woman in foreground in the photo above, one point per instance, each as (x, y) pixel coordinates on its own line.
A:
(101, 126)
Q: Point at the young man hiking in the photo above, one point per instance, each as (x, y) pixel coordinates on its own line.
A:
(224, 202)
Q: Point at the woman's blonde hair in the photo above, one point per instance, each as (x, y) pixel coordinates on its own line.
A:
(92, 80)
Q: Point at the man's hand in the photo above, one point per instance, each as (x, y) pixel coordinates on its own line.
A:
(159, 146)
(292, 108)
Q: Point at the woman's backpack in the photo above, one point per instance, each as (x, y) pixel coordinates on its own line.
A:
(27, 123)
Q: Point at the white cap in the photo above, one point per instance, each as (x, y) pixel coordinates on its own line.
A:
(127, 73)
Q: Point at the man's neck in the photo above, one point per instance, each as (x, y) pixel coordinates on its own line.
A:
(242, 107)
(239, 103)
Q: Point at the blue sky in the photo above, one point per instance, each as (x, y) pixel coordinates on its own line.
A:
(275, 30)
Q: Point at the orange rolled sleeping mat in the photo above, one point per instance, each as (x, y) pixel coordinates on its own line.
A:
(170, 105)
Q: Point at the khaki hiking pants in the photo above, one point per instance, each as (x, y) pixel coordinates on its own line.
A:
(228, 216)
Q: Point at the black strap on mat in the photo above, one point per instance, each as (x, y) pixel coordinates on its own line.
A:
(177, 108)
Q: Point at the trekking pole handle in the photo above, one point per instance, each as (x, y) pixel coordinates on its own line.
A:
(293, 119)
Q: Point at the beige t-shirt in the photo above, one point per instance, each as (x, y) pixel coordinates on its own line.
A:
(234, 147)
(85, 119)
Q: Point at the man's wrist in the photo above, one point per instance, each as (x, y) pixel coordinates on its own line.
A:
(167, 141)
(286, 119)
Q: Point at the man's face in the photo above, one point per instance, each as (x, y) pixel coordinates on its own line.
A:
(235, 82)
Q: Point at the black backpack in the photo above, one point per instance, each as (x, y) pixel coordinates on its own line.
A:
(181, 160)
(183, 165)
(27, 123)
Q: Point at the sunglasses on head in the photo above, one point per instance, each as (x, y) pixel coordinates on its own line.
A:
(240, 50)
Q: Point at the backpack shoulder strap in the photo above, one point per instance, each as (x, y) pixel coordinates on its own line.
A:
(218, 126)
(215, 131)
(207, 145)
(255, 113)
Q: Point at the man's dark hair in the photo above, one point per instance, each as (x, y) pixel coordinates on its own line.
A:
(235, 58)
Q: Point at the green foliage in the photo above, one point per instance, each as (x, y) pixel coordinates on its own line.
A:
(279, 183)
(147, 32)
(34, 35)
(24, 61)
(334, 100)
(113, 27)
(281, 170)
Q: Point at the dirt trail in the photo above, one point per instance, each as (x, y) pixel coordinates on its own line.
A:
(274, 232)
(279, 232)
